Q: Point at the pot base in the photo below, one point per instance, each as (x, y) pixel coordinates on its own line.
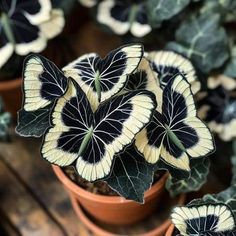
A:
(154, 225)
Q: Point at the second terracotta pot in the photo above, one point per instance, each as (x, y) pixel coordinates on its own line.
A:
(10, 91)
(170, 230)
(114, 209)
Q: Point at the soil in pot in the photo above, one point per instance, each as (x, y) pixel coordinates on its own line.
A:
(99, 187)
(114, 209)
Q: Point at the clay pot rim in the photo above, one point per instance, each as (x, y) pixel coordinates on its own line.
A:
(170, 230)
(100, 231)
(10, 84)
(77, 190)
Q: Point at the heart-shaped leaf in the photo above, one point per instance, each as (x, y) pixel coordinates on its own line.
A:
(131, 175)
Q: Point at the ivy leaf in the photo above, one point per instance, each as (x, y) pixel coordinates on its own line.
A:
(197, 178)
(227, 196)
(131, 175)
(160, 10)
(33, 123)
(226, 8)
(230, 69)
(203, 41)
(5, 121)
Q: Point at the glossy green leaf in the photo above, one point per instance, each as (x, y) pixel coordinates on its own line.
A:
(228, 196)
(203, 41)
(230, 69)
(131, 175)
(197, 178)
(226, 8)
(33, 123)
(160, 10)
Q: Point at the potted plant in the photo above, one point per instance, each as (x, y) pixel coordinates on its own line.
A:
(25, 28)
(112, 120)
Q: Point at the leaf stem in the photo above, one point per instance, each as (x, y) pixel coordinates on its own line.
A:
(98, 85)
(6, 24)
(86, 140)
(174, 138)
(133, 13)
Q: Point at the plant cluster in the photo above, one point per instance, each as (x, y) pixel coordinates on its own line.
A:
(200, 30)
(119, 119)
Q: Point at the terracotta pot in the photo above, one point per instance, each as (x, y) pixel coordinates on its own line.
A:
(114, 209)
(10, 91)
(99, 231)
(170, 230)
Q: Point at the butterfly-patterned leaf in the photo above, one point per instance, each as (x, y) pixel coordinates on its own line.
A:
(167, 64)
(90, 140)
(218, 109)
(54, 25)
(43, 84)
(23, 26)
(203, 219)
(198, 176)
(177, 133)
(131, 175)
(144, 78)
(121, 17)
(33, 123)
(100, 78)
(36, 11)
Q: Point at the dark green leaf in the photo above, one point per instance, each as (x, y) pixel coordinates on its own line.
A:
(227, 196)
(230, 69)
(160, 10)
(226, 8)
(203, 41)
(198, 177)
(33, 123)
(131, 175)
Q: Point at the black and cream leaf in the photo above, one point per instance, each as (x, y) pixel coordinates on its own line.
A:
(218, 107)
(88, 3)
(204, 219)
(198, 176)
(167, 64)
(101, 78)
(131, 175)
(91, 140)
(43, 83)
(124, 16)
(176, 134)
(20, 27)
